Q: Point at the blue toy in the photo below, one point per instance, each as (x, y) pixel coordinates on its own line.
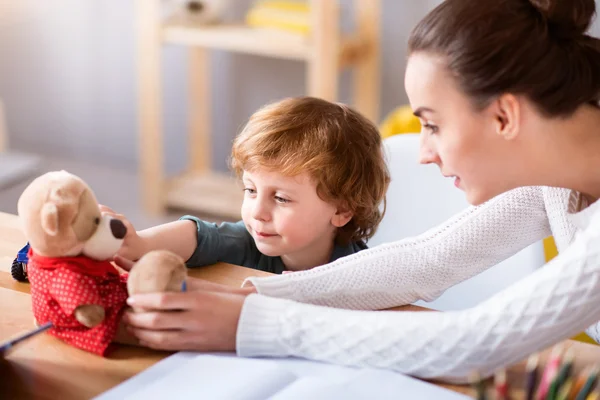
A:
(19, 265)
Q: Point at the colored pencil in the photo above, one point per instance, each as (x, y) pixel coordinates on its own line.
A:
(10, 343)
(563, 373)
(563, 393)
(531, 371)
(589, 385)
(593, 396)
(549, 373)
(501, 385)
(578, 384)
(479, 386)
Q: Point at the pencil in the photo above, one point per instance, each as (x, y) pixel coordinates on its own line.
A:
(531, 371)
(478, 385)
(563, 373)
(578, 384)
(549, 372)
(589, 385)
(501, 385)
(593, 396)
(563, 393)
(10, 343)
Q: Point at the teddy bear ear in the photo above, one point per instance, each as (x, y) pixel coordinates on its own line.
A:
(50, 219)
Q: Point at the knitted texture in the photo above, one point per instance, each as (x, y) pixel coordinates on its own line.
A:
(551, 304)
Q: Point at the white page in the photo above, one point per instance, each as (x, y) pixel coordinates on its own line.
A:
(365, 384)
(216, 377)
(189, 375)
(391, 385)
(307, 388)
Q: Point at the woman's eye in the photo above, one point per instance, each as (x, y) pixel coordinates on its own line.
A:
(430, 128)
(281, 200)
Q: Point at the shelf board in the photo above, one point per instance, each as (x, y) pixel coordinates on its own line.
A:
(212, 193)
(239, 38)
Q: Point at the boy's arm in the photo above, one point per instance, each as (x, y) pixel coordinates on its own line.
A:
(178, 237)
(226, 242)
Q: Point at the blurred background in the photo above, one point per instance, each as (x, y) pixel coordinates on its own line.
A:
(68, 82)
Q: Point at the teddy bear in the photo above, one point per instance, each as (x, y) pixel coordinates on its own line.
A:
(74, 285)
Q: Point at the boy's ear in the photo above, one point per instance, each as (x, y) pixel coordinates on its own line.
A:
(341, 218)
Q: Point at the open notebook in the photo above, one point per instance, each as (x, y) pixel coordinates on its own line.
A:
(224, 376)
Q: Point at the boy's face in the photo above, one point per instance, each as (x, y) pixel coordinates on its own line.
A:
(286, 218)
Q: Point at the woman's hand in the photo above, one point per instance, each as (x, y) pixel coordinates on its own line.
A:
(196, 320)
(133, 246)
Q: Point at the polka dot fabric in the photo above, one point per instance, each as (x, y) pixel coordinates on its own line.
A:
(60, 285)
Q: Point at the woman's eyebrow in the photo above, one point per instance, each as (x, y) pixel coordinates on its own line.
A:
(419, 111)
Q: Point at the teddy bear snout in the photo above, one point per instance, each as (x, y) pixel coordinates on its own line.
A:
(118, 229)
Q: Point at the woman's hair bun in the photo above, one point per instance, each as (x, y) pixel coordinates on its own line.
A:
(567, 18)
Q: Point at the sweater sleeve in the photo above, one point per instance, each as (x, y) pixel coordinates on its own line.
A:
(421, 268)
(226, 242)
(551, 304)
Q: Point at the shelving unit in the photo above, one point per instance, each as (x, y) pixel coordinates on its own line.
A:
(324, 52)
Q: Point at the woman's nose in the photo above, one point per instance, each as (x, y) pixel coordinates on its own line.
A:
(426, 154)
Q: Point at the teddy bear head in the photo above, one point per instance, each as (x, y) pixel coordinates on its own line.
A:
(61, 218)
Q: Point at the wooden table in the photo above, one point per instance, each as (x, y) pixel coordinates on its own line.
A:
(45, 368)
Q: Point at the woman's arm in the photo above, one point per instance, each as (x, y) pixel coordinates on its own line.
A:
(553, 303)
(422, 267)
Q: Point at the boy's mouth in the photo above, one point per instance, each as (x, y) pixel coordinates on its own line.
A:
(264, 234)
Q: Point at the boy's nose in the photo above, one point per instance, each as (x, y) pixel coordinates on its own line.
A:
(260, 213)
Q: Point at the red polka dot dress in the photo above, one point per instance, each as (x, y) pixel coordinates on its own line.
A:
(60, 284)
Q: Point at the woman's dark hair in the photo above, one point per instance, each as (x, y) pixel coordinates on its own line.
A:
(536, 48)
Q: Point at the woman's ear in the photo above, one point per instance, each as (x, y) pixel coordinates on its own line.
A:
(341, 217)
(507, 116)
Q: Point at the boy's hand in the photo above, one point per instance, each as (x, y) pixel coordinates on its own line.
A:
(133, 246)
(198, 320)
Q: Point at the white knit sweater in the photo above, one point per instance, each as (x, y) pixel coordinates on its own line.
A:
(551, 304)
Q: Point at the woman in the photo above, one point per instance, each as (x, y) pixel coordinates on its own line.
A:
(507, 94)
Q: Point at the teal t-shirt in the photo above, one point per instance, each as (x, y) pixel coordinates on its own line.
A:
(232, 243)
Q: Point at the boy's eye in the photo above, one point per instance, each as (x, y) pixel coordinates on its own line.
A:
(281, 200)
(249, 190)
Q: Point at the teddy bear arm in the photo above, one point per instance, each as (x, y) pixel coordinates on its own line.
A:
(78, 295)
(89, 315)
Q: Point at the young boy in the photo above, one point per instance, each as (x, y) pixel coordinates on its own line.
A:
(314, 177)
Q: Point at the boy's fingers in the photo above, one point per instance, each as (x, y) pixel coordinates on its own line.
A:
(124, 263)
(168, 301)
(154, 320)
(159, 340)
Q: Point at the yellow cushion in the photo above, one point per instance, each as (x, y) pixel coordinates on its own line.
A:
(400, 120)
